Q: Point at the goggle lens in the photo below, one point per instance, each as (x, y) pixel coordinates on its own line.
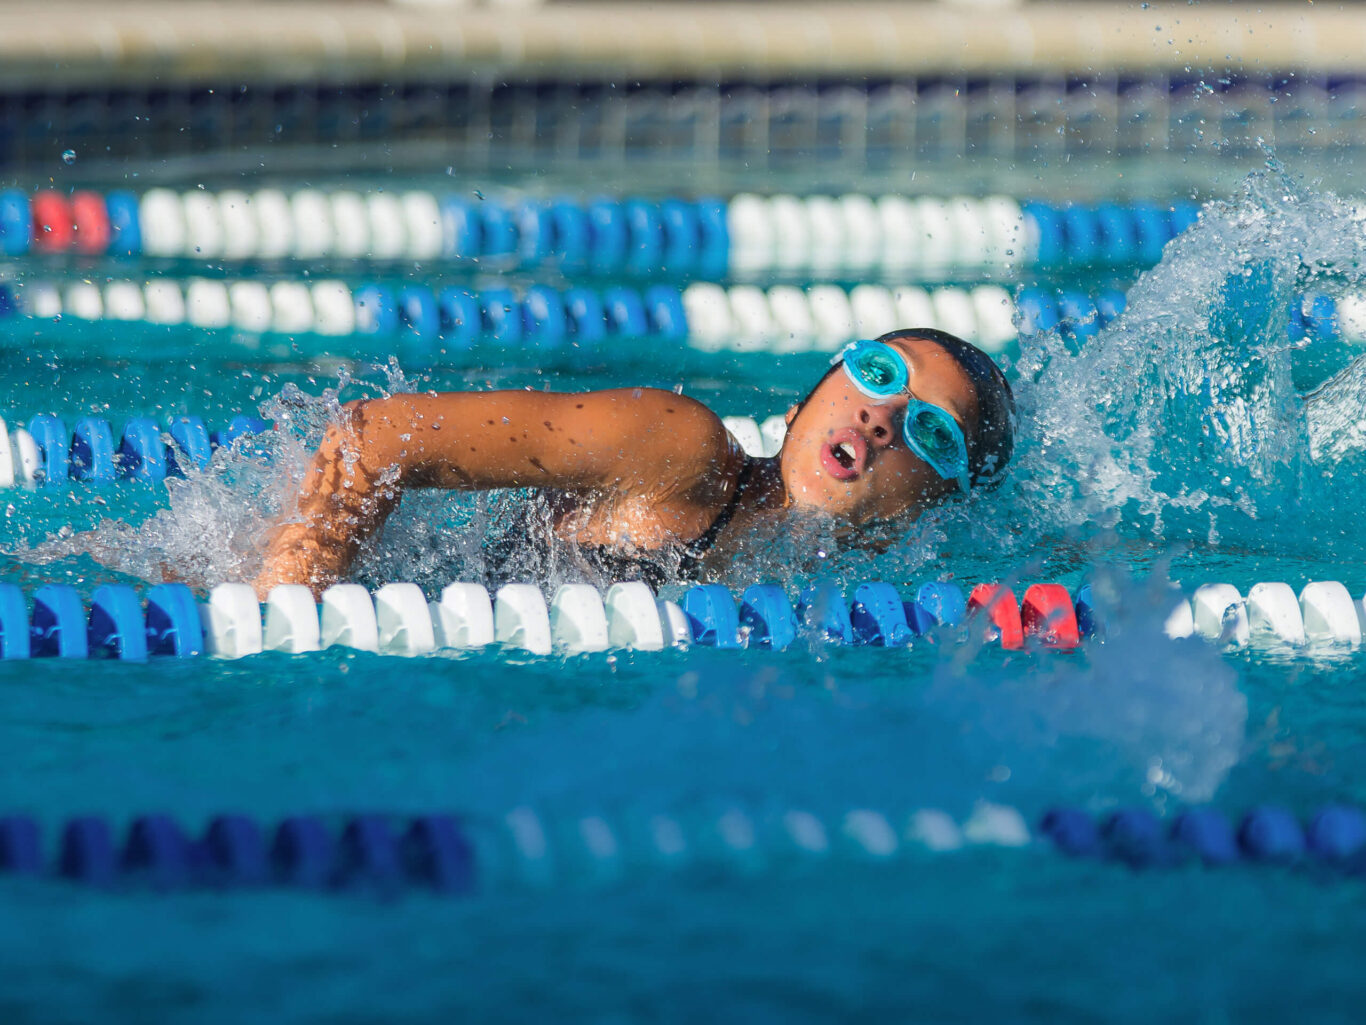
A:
(878, 369)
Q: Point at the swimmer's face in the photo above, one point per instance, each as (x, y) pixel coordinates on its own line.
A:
(844, 454)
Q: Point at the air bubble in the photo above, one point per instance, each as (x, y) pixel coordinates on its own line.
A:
(69, 156)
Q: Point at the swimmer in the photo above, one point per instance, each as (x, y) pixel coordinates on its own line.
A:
(897, 425)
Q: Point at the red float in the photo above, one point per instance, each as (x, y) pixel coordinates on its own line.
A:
(1048, 616)
(1002, 609)
(53, 224)
(91, 218)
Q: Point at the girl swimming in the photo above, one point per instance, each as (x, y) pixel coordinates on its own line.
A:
(634, 475)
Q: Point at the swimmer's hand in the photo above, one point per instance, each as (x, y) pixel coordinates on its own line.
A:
(669, 452)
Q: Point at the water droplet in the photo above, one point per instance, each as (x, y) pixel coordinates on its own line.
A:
(478, 194)
(69, 156)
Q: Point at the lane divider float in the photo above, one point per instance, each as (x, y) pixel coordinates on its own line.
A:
(398, 619)
(698, 238)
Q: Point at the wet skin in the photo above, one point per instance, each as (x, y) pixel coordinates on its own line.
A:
(638, 466)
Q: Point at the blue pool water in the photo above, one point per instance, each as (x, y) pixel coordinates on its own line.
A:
(1172, 444)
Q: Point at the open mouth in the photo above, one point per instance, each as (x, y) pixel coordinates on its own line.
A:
(845, 455)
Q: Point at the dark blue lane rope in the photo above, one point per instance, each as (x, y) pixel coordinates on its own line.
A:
(441, 853)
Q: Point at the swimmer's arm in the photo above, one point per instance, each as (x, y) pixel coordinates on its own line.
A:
(629, 441)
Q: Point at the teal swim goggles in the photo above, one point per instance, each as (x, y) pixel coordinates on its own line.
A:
(931, 432)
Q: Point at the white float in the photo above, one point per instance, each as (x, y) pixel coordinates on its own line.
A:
(311, 220)
(792, 240)
(334, 308)
(793, 327)
(388, 237)
(862, 233)
(250, 305)
(404, 620)
(291, 307)
(752, 320)
(24, 452)
(7, 477)
(123, 300)
(1274, 612)
(746, 432)
(1220, 613)
(914, 308)
(165, 302)
(463, 618)
(203, 225)
(749, 224)
(161, 220)
(578, 619)
(274, 223)
(995, 313)
(773, 430)
(833, 317)
(901, 234)
(422, 223)
(1330, 615)
(350, 225)
(240, 229)
(291, 620)
(348, 618)
(84, 300)
(874, 310)
(520, 618)
(828, 247)
(707, 309)
(1180, 622)
(206, 303)
(232, 621)
(633, 620)
(674, 622)
(954, 312)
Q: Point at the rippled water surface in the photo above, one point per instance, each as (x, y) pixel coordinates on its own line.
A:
(1177, 443)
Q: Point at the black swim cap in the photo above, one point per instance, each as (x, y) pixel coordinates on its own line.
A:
(991, 442)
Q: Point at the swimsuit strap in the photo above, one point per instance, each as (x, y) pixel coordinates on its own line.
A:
(696, 549)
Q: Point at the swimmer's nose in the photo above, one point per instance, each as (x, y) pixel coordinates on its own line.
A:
(878, 422)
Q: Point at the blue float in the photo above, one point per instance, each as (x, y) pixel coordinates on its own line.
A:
(21, 845)
(822, 608)
(668, 320)
(16, 223)
(1089, 623)
(92, 451)
(15, 639)
(304, 853)
(625, 311)
(1081, 232)
(87, 852)
(713, 255)
(240, 426)
(1118, 236)
(376, 310)
(546, 322)
(499, 231)
(142, 454)
(938, 603)
(682, 236)
(878, 616)
(368, 852)
(1134, 835)
(585, 316)
(58, 626)
(536, 231)
(1038, 311)
(192, 445)
(53, 441)
(1337, 833)
(645, 234)
(417, 311)
(125, 228)
(501, 313)
(157, 850)
(436, 852)
(608, 237)
(117, 628)
(461, 320)
(1207, 834)
(173, 624)
(1270, 833)
(712, 616)
(1044, 229)
(1152, 231)
(766, 612)
(1072, 831)
(461, 229)
(570, 222)
(234, 852)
